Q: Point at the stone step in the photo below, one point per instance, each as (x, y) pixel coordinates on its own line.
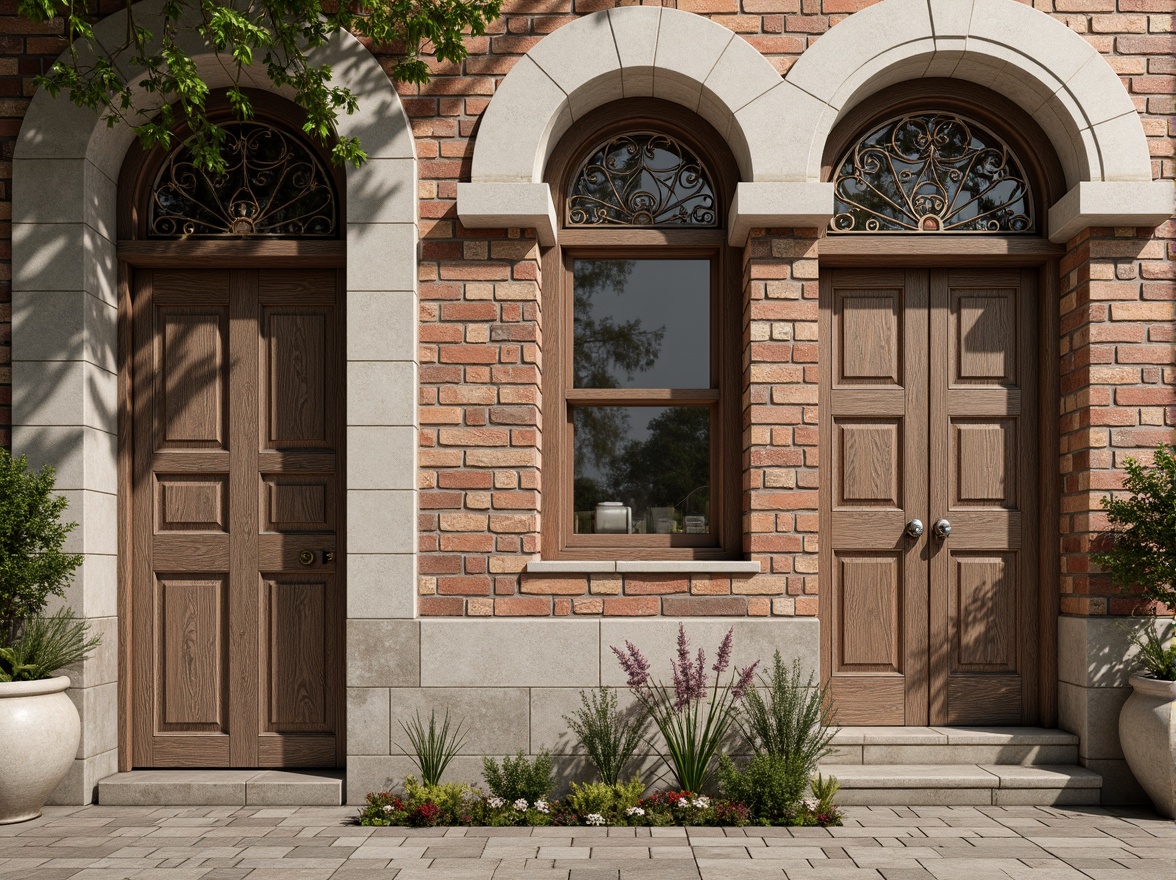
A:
(1027, 746)
(240, 788)
(964, 784)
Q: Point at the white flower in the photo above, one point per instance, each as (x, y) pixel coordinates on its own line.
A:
(387, 808)
(521, 804)
(495, 803)
(811, 804)
(683, 804)
(634, 811)
(542, 806)
(701, 802)
(594, 819)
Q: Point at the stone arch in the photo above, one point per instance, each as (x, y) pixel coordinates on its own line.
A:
(65, 347)
(777, 127)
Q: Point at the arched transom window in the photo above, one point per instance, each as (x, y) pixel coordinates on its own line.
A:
(642, 179)
(931, 172)
(273, 185)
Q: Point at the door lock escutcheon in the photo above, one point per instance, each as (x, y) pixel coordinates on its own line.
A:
(915, 528)
(941, 529)
(306, 557)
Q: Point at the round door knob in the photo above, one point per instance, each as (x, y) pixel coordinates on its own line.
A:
(941, 529)
(306, 557)
(915, 528)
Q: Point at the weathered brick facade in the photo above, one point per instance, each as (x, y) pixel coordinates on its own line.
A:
(481, 331)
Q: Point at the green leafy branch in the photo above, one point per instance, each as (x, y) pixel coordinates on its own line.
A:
(279, 35)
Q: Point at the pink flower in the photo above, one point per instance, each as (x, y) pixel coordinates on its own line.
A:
(745, 678)
(634, 664)
(724, 658)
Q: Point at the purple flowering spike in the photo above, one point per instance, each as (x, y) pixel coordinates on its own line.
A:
(698, 678)
(744, 682)
(683, 679)
(634, 664)
(724, 658)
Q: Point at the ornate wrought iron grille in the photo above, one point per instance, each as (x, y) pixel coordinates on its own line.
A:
(272, 185)
(931, 172)
(642, 179)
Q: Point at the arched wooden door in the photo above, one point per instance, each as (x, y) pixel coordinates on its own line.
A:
(234, 335)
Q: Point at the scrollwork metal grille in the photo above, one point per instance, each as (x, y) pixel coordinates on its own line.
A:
(931, 172)
(642, 179)
(273, 185)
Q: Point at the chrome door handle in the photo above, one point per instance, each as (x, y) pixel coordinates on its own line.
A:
(941, 529)
(915, 528)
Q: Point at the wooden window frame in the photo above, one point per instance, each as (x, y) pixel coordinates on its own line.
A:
(724, 540)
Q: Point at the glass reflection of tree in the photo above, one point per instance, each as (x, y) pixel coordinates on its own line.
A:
(671, 467)
(604, 350)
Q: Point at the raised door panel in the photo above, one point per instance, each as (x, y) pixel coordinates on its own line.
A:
(191, 655)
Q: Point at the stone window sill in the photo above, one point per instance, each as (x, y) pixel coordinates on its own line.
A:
(626, 566)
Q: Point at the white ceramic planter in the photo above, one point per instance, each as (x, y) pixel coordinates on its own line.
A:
(39, 734)
(1147, 732)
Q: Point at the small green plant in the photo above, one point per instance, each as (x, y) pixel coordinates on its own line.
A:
(607, 735)
(794, 722)
(824, 790)
(767, 785)
(613, 801)
(1142, 555)
(520, 778)
(433, 748)
(33, 567)
(1158, 660)
(44, 645)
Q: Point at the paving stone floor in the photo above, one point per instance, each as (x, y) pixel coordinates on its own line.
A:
(319, 843)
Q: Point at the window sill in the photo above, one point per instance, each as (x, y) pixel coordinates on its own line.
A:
(627, 566)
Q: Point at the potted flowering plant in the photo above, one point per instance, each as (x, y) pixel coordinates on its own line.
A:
(39, 725)
(1142, 560)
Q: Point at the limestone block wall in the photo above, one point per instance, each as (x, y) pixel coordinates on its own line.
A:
(512, 681)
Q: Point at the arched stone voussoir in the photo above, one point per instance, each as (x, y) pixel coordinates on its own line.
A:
(627, 52)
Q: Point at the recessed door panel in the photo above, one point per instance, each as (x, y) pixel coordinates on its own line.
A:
(191, 654)
(869, 613)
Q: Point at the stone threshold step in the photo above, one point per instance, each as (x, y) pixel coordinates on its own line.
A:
(965, 784)
(222, 788)
(953, 745)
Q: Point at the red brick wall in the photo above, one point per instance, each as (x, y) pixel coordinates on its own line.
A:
(481, 335)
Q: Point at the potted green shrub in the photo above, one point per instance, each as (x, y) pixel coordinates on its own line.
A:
(39, 725)
(1141, 559)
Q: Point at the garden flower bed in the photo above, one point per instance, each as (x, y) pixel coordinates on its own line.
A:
(783, 722)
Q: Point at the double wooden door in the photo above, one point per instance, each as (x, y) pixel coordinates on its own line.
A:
(929, 412)
(236, 591)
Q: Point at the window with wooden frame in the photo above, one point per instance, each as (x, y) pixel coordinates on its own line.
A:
(641, 342)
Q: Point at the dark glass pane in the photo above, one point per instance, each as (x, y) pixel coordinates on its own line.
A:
(272, 185)
(642, 179)
(641, 324)
(931, 173)
(642, 469)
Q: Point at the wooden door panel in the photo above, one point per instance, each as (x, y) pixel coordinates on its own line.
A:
(983, 479)
(297, 696)
(984, 452)
(191, 378)
(192, 654)
(236, 462)
(873, 601)
(869, 613)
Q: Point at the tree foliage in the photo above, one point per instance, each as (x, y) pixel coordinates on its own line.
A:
(33, 565)
(280, 35)
(1143, 549)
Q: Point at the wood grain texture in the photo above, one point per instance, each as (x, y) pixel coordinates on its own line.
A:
(199, 254)
(225, 363)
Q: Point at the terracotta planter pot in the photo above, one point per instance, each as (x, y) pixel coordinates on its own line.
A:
(1147, 731)
(39, 734)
